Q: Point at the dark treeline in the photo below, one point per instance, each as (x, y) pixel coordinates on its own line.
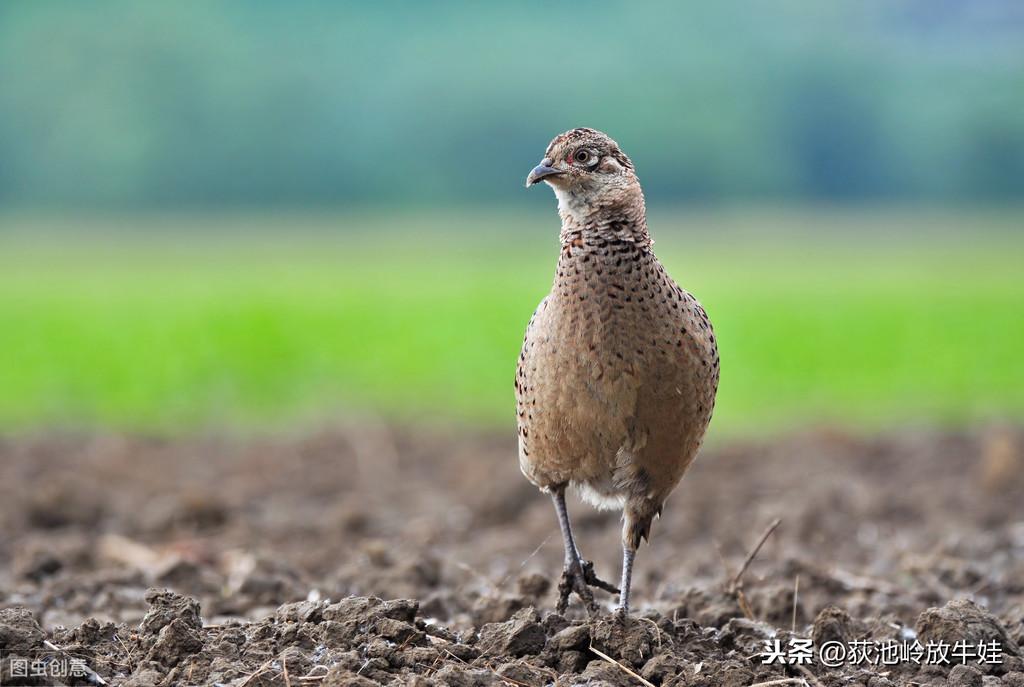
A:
(314, 103)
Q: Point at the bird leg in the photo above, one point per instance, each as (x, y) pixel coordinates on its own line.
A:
(578, 575)
(636, 526)
(628, 554)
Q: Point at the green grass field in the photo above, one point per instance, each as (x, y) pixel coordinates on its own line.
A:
(192, 323)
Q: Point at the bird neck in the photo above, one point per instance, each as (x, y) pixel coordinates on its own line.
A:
(623, 219)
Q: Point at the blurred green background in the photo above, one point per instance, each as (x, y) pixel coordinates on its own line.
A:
(281, 214)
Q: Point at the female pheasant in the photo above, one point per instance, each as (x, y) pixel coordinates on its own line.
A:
(618, 372)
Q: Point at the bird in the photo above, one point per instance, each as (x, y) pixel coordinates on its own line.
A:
(618, 372)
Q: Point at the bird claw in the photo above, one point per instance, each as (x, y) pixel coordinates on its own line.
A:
(593, 580)
(579, 577)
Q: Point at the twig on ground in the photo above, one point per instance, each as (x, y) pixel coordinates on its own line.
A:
(783, 681)
(737, 580)
(741, 599)
(454, 656)
(259, 671)
(796, 595)
(611, 660)
(128, 652)
(656, 629)
(310, 677)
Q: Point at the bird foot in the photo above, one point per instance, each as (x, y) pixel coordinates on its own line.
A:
(579, 577)
(593, 580)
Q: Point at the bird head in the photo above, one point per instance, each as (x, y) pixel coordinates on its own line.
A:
(586, 168)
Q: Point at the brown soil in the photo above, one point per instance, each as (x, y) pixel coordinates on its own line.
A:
(263, 562)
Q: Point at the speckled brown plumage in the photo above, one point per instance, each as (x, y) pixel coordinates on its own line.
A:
(619, 368)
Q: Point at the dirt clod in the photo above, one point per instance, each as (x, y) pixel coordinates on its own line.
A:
(834, 624)
(631, 641)
(520, 636)
(176, 640)
(962, 620)
(19, 631)
(574, 637)
(166, 606)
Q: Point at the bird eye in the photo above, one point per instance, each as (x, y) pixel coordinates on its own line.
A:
(582, 156)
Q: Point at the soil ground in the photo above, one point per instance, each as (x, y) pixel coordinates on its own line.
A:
(273, 555)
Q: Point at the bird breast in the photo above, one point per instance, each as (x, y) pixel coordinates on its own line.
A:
(618, 372)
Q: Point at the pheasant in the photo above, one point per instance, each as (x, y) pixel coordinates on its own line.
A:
(618, 372)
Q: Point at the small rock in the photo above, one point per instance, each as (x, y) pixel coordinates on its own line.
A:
(520, 636)
(573, 637)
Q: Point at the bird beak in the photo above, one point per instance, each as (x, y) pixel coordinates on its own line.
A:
(542, 171)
